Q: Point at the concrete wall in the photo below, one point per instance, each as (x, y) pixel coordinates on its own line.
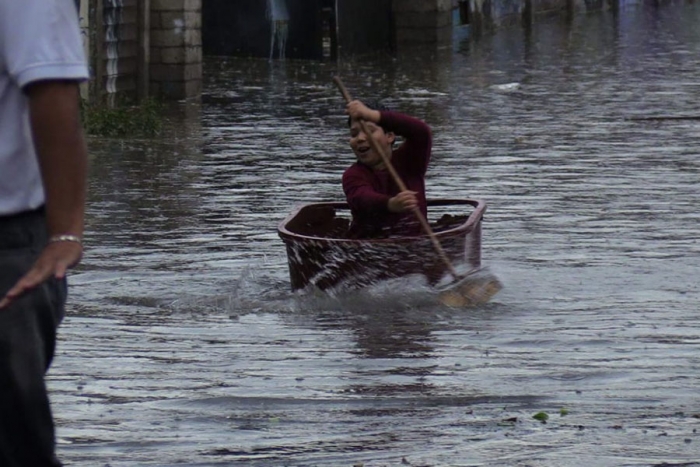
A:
(138, 48)
(237, 28)
(422, 22)
(364, 26)
(432, 22)
(113, 38)
(154, 47)
(175, 48)
(490, 14)
(245, 28)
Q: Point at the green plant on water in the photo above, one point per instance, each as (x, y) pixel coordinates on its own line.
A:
(563, 411)
(541, 416)
(142, 120)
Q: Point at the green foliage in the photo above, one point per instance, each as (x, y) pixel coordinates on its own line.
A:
(120, 121)
(541, 416)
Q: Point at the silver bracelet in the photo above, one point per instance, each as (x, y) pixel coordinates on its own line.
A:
(66, 238)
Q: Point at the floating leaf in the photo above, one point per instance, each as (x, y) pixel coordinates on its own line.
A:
(563, 411)
(541, 416)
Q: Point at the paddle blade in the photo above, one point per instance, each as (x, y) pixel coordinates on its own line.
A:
(472, 290)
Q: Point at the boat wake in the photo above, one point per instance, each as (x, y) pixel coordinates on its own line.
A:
(268, 291)
(407, 292)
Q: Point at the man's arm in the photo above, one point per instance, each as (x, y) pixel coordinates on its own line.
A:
(361, 195)
(416, 149)
(62, 154)
(60, 147)
(410, 128)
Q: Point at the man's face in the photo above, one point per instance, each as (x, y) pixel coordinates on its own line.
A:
(359, 142)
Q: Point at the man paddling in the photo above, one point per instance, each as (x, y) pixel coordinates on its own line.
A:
(379, 208)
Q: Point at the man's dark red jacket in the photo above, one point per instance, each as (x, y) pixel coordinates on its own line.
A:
(368, 191)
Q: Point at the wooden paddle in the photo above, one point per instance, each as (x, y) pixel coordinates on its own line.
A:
(464, 290)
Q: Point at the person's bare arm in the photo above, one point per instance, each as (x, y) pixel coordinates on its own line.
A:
(60, 147)
(62, 154)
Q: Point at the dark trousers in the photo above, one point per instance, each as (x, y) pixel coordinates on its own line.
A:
(27, 342)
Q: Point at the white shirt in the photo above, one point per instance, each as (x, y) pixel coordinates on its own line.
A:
(39, 40)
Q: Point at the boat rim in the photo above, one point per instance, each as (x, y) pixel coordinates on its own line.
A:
(474, 218)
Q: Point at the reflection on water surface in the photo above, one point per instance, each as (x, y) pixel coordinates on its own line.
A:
(184, 345)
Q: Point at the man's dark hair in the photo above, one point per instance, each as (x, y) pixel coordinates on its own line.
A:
(373, 104)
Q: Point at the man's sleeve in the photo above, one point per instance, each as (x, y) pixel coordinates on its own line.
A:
(414, 153)
(41, 40)
(360, 194)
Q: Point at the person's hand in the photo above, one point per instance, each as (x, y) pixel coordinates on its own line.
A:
(54, 260)
(359, 111)
(404, 201)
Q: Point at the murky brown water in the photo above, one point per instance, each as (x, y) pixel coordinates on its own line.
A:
(183, 345)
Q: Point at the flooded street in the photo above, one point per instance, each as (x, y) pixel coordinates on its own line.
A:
(183, 345)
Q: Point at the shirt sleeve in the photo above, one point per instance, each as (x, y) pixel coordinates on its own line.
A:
(415, 152)
(410, 128)
(361, 195)
(41, 40)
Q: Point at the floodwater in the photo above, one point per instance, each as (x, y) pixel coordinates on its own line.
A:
(184, 346)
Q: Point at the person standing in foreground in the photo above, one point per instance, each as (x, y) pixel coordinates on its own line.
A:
(43, 166)
(378, 207)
